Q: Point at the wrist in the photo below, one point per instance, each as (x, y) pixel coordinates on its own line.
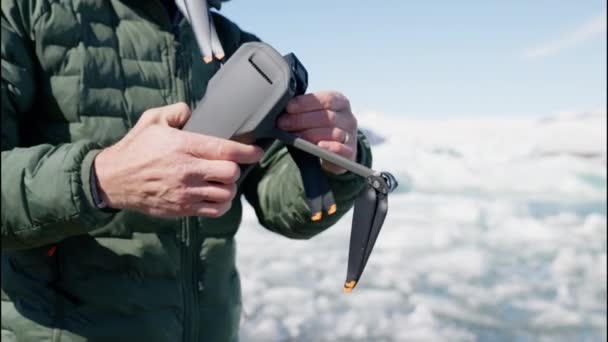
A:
(89, 213)
(100, 183)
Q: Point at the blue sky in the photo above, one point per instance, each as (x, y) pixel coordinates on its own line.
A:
(443, 58)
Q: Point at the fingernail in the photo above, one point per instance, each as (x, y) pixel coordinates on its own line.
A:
(259, 151)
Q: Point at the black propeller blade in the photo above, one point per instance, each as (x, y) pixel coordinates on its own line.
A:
(369, 213)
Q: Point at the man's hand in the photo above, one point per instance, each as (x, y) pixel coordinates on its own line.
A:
(163, 171)
(325, 119)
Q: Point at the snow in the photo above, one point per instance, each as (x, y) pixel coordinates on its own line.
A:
(497, 232)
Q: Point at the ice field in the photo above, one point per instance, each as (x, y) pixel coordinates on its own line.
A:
(497, 233)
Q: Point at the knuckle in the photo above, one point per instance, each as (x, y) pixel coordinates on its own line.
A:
(204, 193)
(345, 102)
(354, 121)
(175, 142)
(335, 94)
(332, 117)
(183, 198)
(204, 169)
(145, 115)
(182, 172)
(148, 117)
(182, 108)
(186, 147)
(233, 172)
(335, 99)
(223, 208)
(217, 211)
(221, 149)
(232, 190)
(338, 101)
(230, 153)
(295, 120)
(295, 101)
(347, 151)
(213, 213)
(338, 134)
(333, 102)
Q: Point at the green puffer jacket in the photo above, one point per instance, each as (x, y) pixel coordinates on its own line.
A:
(76, 75)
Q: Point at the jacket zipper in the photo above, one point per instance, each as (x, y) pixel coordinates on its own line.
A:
(193, 231)
(186, 288)
(194, 281)
(189, 279)
(189, 240)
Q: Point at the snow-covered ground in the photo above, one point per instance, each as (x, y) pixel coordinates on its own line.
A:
(497, 233)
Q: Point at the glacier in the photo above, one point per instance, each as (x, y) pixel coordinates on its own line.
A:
(497, 233)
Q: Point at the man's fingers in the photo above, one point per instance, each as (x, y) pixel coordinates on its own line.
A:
(208, 192)
(315, 135)
(220, 171)
(212, 148)
(316, 119)
(338, 148)
(318, 101)
(209, 209)
(174, 115)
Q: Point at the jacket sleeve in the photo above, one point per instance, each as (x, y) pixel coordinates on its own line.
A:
(46, 193)
(274, 189)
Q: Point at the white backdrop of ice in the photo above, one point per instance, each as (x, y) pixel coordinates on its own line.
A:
(501, 237)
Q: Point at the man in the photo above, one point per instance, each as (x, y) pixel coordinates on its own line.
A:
(116, 225)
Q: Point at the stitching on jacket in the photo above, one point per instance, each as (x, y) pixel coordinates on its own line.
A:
(56, 336)
(170, 65)
(76, 182)
(79, 84)
(45, 11)
(116, 45)
(33, 228)
(143, 60)
(80, 94)
(130, 86)
(23, 194)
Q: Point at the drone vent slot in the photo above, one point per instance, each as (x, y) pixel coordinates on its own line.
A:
(259, 70)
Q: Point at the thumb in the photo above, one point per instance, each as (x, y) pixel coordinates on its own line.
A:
(175, 115)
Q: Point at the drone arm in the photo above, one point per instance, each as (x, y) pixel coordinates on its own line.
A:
(357, 168)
